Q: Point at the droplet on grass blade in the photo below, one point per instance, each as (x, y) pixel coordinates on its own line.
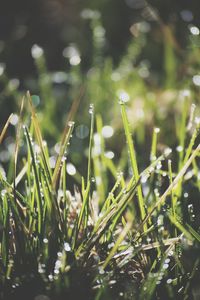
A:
(179, 148)
(144, 178)
(167, 151)
(165, 266)
(14, 119)
(72, 54)
(36, 51)
(109, 154)
(159, 166)
(71, 170)
(196, 80)
(75, 60)
(123, 96)
(67, 247)
(71, 123)
(156, 130)
(52, 162)
(107, 131)
(91, 108)
(169, 281)
(194, 30)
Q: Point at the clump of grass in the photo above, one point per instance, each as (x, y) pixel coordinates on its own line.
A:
(118, 235)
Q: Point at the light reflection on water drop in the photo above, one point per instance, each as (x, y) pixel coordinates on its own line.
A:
(91, 109)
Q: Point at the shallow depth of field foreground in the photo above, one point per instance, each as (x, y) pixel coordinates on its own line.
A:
(100, 156)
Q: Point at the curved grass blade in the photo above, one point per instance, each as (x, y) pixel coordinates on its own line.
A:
(3, 132)
(133, 161)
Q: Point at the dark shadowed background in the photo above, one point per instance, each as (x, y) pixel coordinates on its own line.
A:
(53, 24)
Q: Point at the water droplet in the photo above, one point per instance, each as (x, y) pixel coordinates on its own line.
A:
(179, 148)
(194, 30)
(67, 247)
(123, 96)
(107, 131)
(144, 178)
(93, 179)
(196, 80)
(156, 130)
(167, 151)
(197, 120)
(159, 165)
(14, 119)
(91, 109)
(111, 282)
(101, 271)
(111, 245)
(165, 266)
(71, 123)
(109, 154)
(36, 51)
(185, 93)
(52, 162)
(3, 193)
(169, 281)
(71, 170)
(75, 60)
(72, 54)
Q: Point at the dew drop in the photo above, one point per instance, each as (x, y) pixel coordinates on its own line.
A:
(36, 51)
(194, 30)
(169, 281)
(179, 148)
(71, 123)
(165, 266)
(107, 131)
(91, 109)
(71, 170)
(109, 154)
(67, 247)
(167, 151)
(156, 130)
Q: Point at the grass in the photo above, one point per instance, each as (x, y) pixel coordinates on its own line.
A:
(132, 243)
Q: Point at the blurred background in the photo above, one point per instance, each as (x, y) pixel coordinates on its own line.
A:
(54, 24)
(142, 52)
